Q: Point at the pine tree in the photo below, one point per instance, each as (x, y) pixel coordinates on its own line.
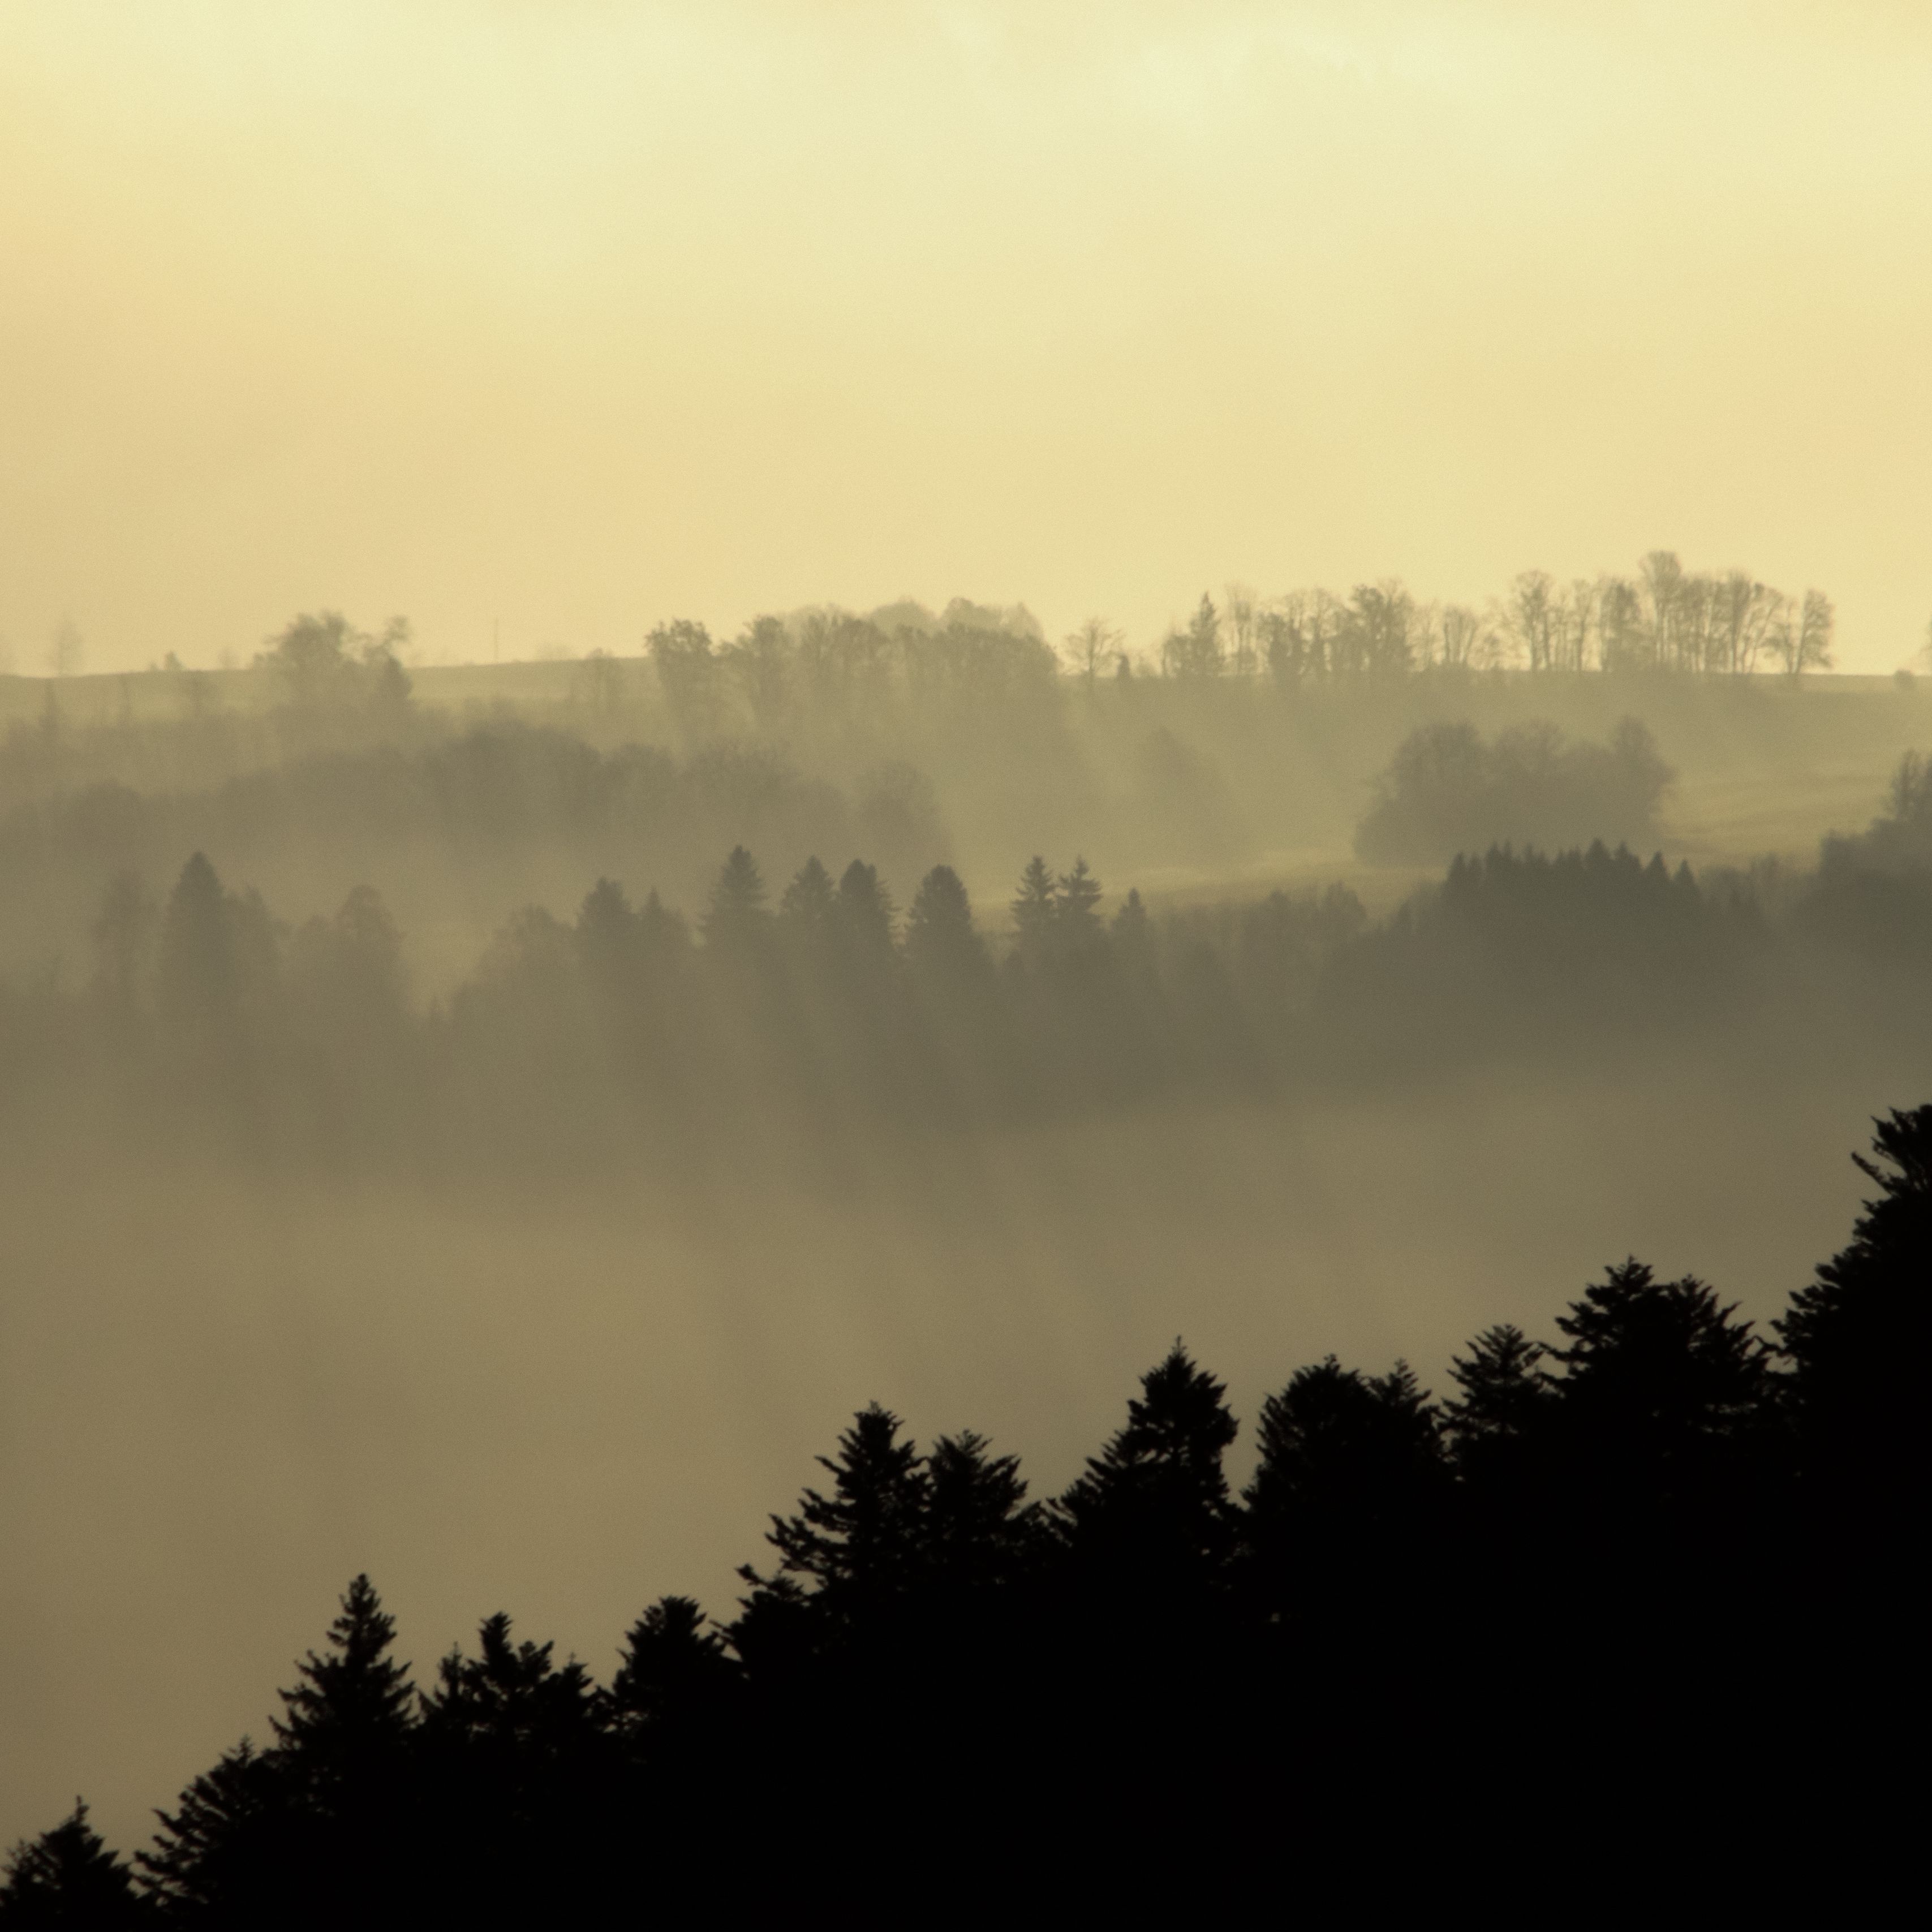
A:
(511, 1703)
(607, 931)
(663, 935)
(805, 909)
(979, 1530)
(1505, 1395)
(1154, 1504)
(1661, 1384)
(1036, 908)
(1342, 1503)
(198, 978)
(1857, 1337)
(863, 913)
(860, 1546)
(67, 1877)
(353, 1704)
(737, 916)
(1132, 931)
(675, 1674)
(1341, 1452)
(1076, 894)
(222, 1856)
(939, 935)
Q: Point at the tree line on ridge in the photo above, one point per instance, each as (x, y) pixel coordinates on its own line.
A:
(1657, 1568)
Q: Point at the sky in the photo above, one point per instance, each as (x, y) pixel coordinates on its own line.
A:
(542, 321)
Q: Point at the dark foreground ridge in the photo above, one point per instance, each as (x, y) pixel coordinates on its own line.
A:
(1628, 1589)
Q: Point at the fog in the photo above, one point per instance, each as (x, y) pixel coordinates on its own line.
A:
(707, 716)
(380, 1196)
(221, 1401)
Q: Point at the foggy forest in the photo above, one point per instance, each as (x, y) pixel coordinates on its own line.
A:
(686, 941)
(961, 960)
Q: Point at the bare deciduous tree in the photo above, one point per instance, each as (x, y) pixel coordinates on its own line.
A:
(1095, 643)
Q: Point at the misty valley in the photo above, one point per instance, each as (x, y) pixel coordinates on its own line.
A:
(487, 1129)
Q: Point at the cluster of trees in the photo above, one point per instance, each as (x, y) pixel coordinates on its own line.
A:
(1657, 1565)
(1447, 791)
(1663, 618)
(320, 660)
(505, 810)
(831, 664)
(821, 1001)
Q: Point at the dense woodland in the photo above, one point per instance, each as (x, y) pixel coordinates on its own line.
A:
(707, 915)
(1656, 1566)
(1261, 726)
(630, 1030)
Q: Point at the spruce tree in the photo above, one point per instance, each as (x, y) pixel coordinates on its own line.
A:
(1660, 1382)
(939, 930)
(980, 1531)
(1153, 1506)
(737, 916)
(805, 909)
(222, 1855)
(862, 913)
(1075, 895)
(1504, 1399)
(859, 1548)
(351, 1706)
(1036, 908)
(68, 1877)
(1857, 1338)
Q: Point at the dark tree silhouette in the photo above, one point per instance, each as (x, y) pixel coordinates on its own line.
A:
(1152, 1512)
(940, 938)
(1857, 1340)
(676, 1672)
(325, 1818)
(858, 1549)
(68, 1878)
(737, 916)
(1661, 1385)
(805, 909)
(1637, 1574)
(1035, 906)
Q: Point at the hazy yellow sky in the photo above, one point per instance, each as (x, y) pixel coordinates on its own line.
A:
(575, 316)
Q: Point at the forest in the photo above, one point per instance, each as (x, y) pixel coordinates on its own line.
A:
(478, 1127)
(630, 1030)
(1660, 1560)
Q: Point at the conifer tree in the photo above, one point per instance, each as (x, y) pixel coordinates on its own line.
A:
(862, 913)
(1036, 907)
(221, 1855)
(1858, 1336)
(1660, 1383)
(859, 1548)
(737, 916)
(1075, 895)
(68, 1878)
(805, 909)
(606, 928)
(352, 1705)
(1154, 1503)
(512, 1703)
(1132, 930)
(663, 935)
(980, 1531)
(1505, 1395)
(675, 1672)
(939, 934)
(198, 978)
(1343, 1451)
